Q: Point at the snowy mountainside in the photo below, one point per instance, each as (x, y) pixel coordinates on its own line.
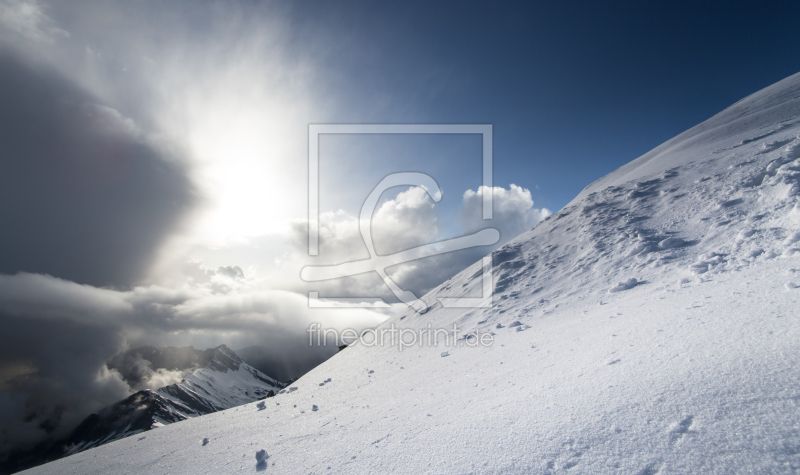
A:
(223, 381)
(649, 327)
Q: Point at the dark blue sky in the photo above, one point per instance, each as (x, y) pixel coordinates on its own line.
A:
(574, 89)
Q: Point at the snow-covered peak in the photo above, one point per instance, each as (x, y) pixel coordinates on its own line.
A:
(223, 359)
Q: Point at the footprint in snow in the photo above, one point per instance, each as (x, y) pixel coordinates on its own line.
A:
(621, 286)
(677, 431)
(791, 286)
(261, 406)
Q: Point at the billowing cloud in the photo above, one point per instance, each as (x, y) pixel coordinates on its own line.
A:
(107, 139)
(512, 211)
(406, 221)
(84, 195)
(58, 336)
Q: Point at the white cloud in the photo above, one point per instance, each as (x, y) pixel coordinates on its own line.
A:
(406, 221)
(513, 211)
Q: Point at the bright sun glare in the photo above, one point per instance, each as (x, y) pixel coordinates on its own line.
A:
(246, 132)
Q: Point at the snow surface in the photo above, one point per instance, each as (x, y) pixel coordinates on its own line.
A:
(658, 334)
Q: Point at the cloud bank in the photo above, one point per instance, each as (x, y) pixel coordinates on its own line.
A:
(84, 194)
(404, 222)
(64, 333)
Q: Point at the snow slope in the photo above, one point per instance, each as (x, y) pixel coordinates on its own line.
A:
(658, 334)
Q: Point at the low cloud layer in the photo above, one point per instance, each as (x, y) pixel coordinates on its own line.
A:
(64, 333)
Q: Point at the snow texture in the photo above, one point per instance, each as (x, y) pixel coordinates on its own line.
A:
(690, 366)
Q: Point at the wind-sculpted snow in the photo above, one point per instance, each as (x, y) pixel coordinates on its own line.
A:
(661, 336)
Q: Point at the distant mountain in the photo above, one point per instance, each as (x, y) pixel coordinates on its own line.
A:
(215, 379)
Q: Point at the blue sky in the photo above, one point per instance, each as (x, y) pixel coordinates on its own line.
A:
(573, 89)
